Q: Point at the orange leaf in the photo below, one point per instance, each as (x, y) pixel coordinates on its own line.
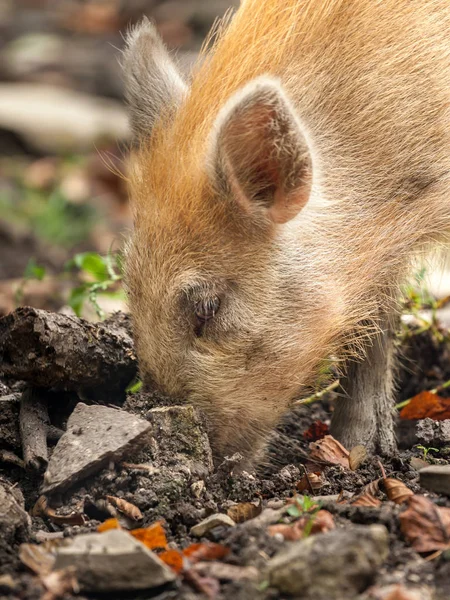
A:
(173, 559)
(427, 405)
(329, 450)
(205, 551)
(316, 431)
(108, 524)
(425, 525)
(152, 537)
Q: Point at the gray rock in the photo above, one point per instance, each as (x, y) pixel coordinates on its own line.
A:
(14, 521)
(429, 431)
(217, 520)
(436, 478)
(61, 119)
(9, 421)
(95, 436)
(112, 561)
(332, 566)
(180, 438)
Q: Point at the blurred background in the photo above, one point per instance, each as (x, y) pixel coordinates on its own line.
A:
(63, 138)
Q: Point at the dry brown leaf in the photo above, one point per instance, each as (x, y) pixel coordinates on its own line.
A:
(205, 585)
(396, 490)
(427, 405)
(320, 522)
(37, 558)
(329, 450)
(173, 559)
(202, 551)
(357, 456)
(42, 509)
(129, 510)
(310, 482)
(372, 488)
(59, 583)
(108, 524)
(225, 572)
(425, 525)
(153, 537)
(244, 511)
(366, 500)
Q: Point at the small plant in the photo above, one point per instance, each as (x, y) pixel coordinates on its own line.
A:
(32, 271)
(306, 507)
(103, 273)
(426, 450)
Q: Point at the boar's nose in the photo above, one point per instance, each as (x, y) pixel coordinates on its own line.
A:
(159, 392)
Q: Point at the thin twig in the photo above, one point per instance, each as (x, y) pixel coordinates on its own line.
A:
(317, 395)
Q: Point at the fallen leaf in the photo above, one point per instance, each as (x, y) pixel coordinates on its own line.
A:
(173, 559)
(205, 585)
(425, 525)
(37, 558)
(41, 508)
(316, 431)
(59, 583)
(366, 500)
(152, 537)
(329, 450)
(427, 405)
(244, 511)
(205, 551)
(372, 488)
(319, 522)
(357, 456)
(108, 524)
(225, 572)
(396, 490)
(129, 510)
(310, 482)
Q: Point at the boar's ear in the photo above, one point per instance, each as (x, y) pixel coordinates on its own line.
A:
(259, 153)
(152, 81)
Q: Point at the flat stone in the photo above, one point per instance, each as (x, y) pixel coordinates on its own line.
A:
(95, 436)
(180, 438)
(436, 478)
(14, 521)
(216, 520)
(112, 561)
(9, 421)
(331, 566)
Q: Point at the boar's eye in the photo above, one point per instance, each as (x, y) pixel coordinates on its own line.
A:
(206, 309)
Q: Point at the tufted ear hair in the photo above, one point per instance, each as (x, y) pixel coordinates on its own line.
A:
(259, 154)
(152, 80)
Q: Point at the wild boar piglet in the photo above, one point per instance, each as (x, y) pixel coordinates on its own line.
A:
(279, 199)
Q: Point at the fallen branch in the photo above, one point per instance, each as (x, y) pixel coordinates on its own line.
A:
(61, 352)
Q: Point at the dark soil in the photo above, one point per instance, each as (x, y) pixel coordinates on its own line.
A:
(166, 492)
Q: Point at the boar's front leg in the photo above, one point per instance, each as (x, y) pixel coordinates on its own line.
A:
(364, 412)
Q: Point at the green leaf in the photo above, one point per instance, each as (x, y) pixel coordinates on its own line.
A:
(34, 271)
(294, 511)
(134, 387)
(93, 264)
(77, 298)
